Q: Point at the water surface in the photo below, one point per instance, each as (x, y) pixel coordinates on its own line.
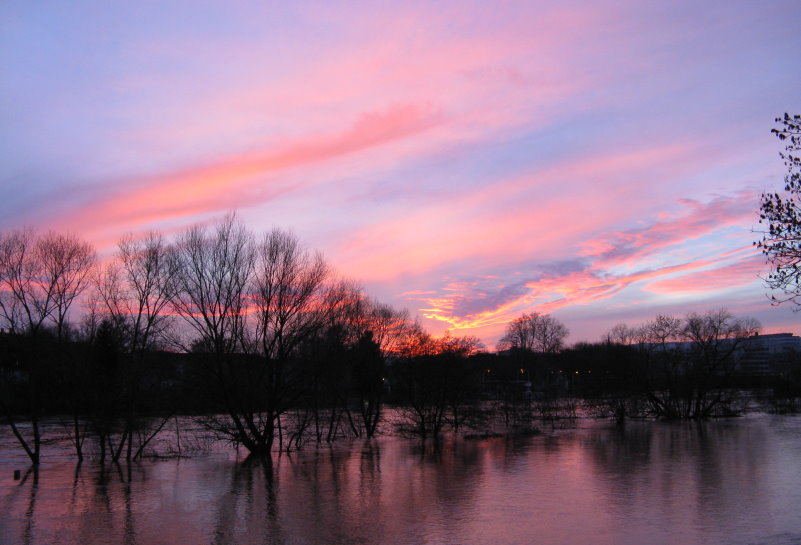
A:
(735, 481)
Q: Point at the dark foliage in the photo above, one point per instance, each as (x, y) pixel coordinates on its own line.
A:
(781, 213)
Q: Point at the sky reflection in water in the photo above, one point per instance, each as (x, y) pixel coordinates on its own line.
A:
(729, 481)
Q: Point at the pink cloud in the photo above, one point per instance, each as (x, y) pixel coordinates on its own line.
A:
(545, 294)
(742, 272)
(534, 214)
(469, 155)
(697, 220)
(599, 274)
(391, 59)
(235, 180)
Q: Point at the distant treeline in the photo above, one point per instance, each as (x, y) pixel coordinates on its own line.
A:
(260, 336)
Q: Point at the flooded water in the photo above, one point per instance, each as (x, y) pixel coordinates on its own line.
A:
(729, 481)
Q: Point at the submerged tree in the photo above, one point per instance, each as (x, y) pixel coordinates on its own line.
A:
(369, 376)
(213, 272)
(291, 301)
(40, 278)
(133, 294)
(347, 361)
(781, 212)
(687, 362)
(433, 381)
(252, 306)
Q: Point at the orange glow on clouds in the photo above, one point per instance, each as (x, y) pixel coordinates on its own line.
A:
(471, 305)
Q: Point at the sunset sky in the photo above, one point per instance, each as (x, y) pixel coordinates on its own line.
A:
(470, 161)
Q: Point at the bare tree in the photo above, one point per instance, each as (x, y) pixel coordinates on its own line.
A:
(383, 332)
(389, 326)
(213, 274)
(621, 334)
(433, 381)
(336, 361)
(688, 361)
(534, 333)
(66, 261)
(213, 271)
(715, 337)
(369, 381)
(135, 291)
(349, 372)
(292, 301)
(252, 305)
(290, 296)
(138, 287)
(40, 278)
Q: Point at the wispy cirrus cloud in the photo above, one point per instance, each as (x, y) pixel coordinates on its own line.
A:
(480, 159)
(696, 220)
(660, 258)
(245, 179)
(389, 83)
(741, 272)
(468, 306)
(540, 212)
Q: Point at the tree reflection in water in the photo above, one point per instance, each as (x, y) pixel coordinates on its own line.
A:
(731, 481)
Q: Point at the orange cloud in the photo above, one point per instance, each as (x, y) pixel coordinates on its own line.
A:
(609, 265)
(546, 294)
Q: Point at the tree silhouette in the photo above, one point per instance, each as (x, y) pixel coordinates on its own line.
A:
(781, 212)
(534, 332)
(40, 278)
(433, 382)
(685, 363)
(133, 292)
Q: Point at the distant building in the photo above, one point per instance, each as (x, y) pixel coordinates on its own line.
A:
(755, 356)
(760, 354)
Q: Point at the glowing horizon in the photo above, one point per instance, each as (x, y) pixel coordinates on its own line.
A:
(469, 162)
